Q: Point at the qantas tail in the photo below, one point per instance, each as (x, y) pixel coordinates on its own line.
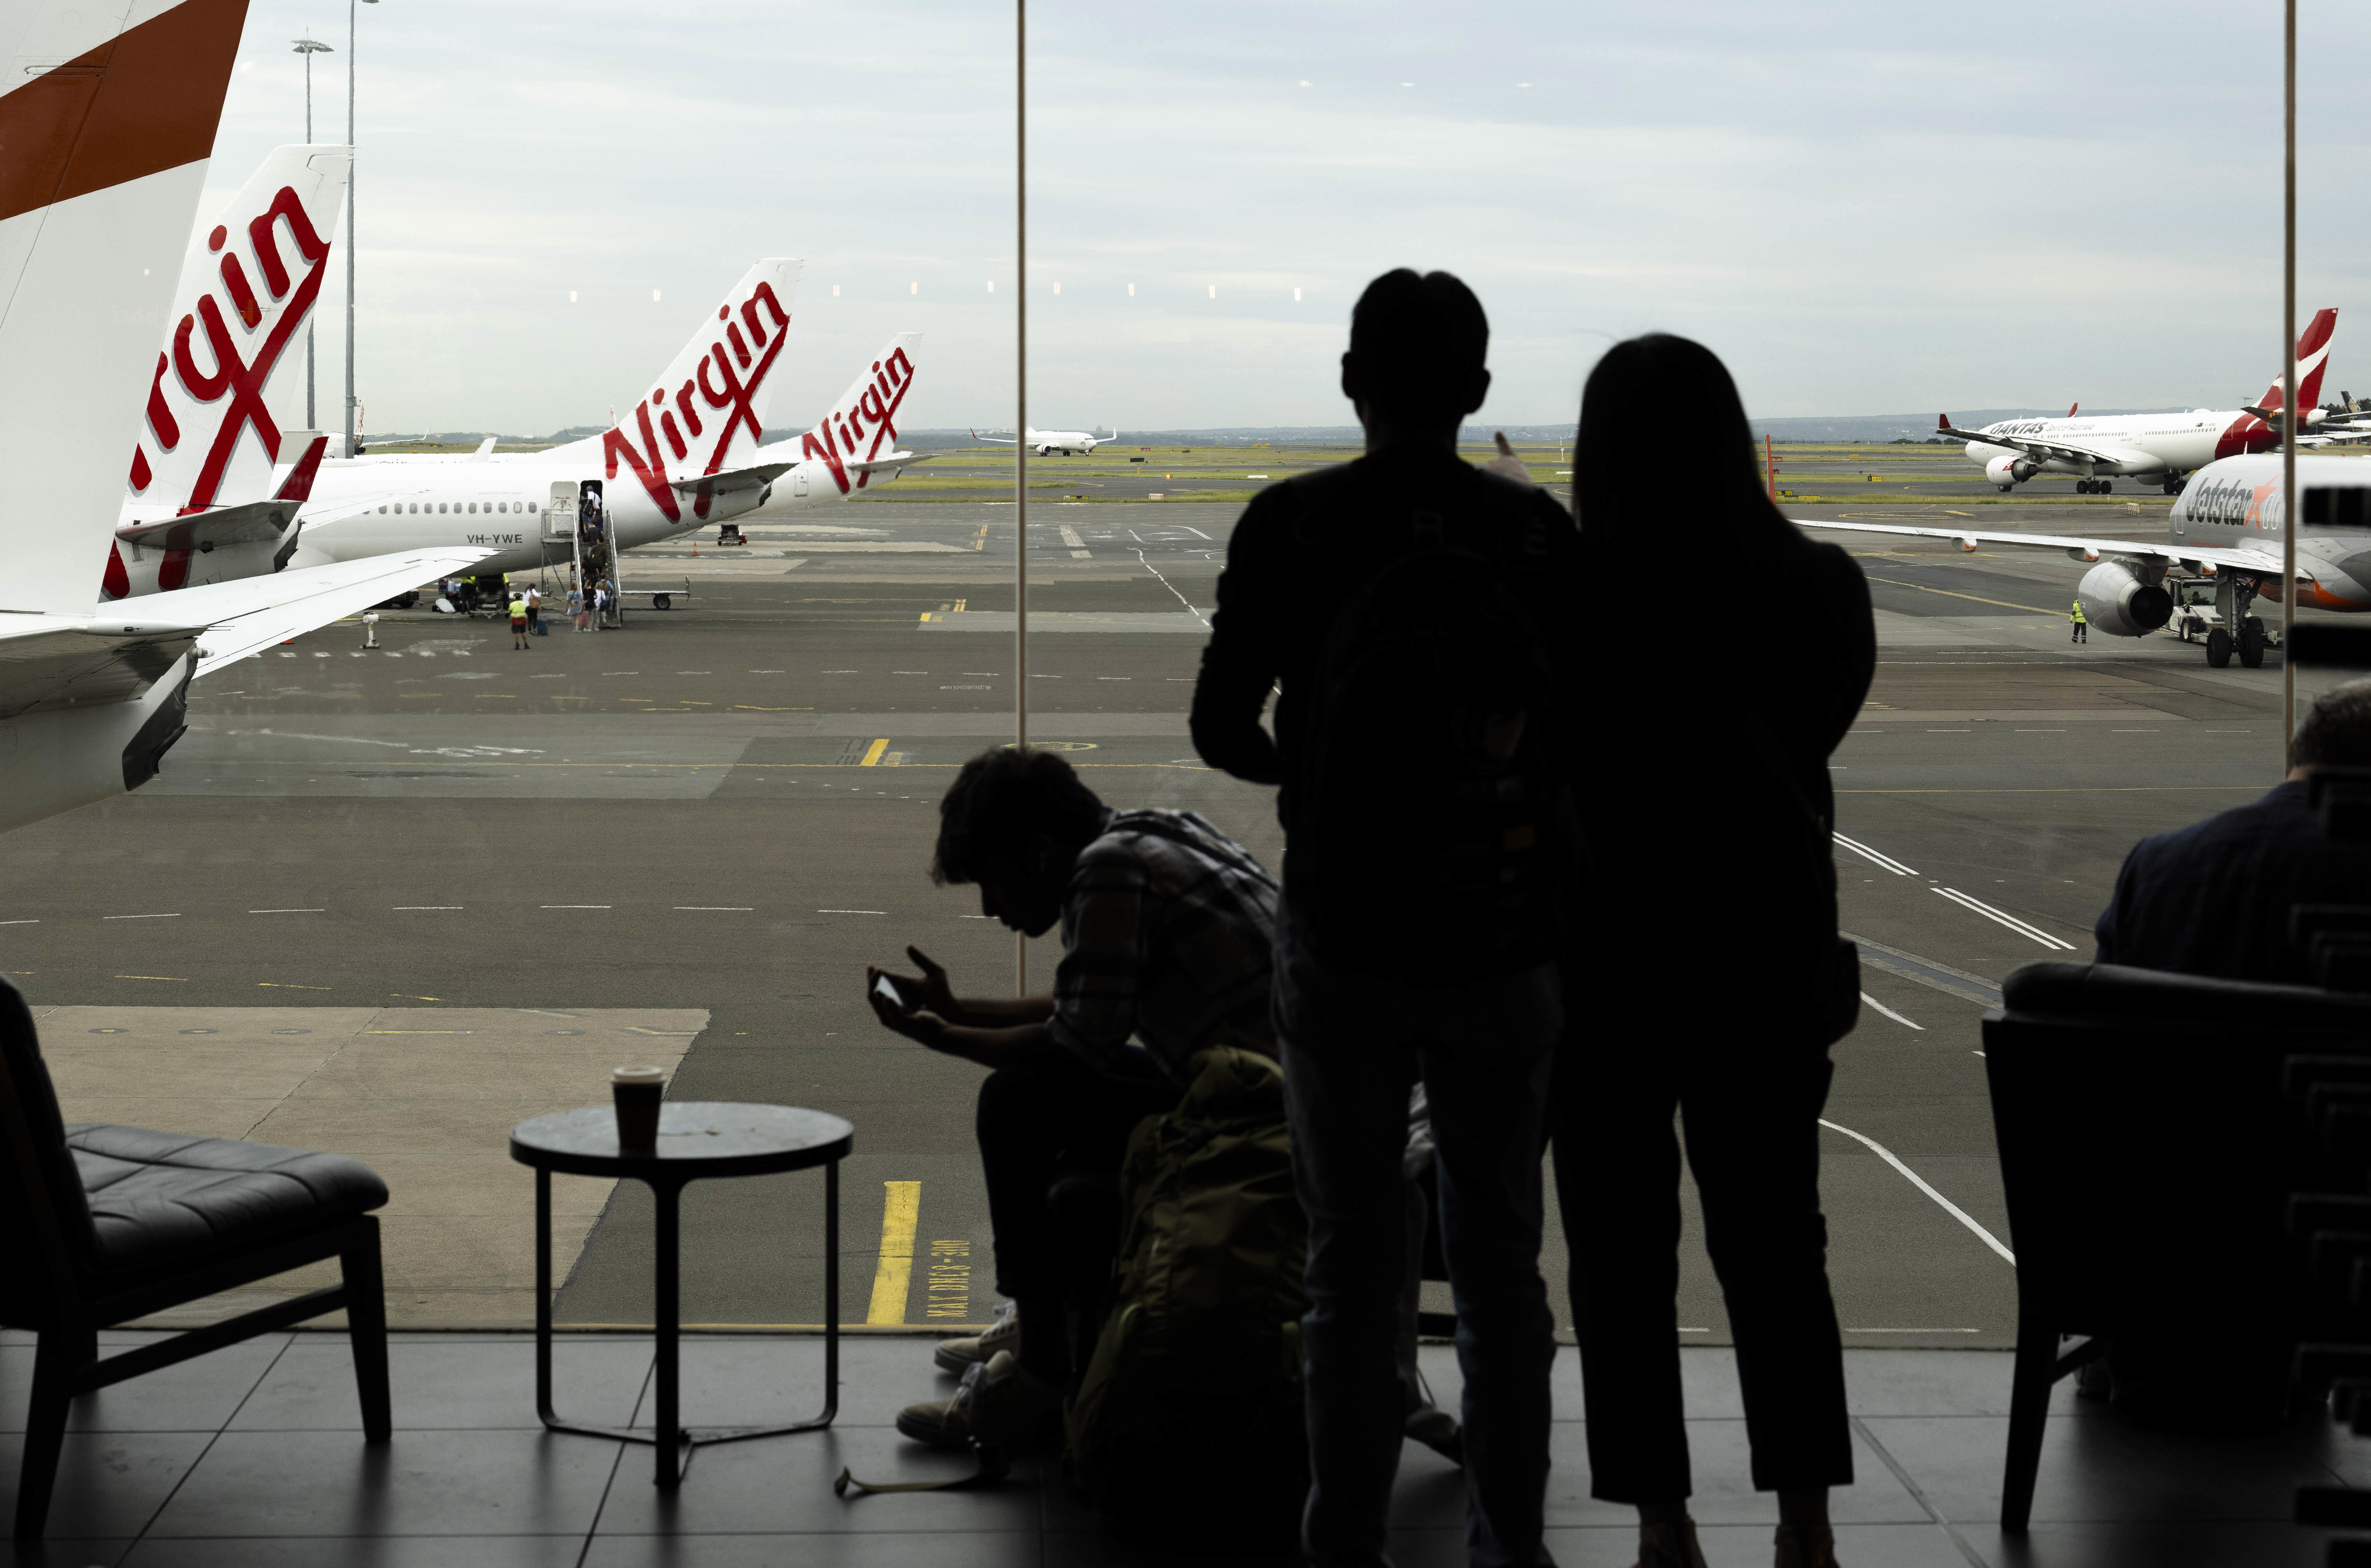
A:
(860, 431)
(707, 411)
(2312, 359)
(206, 437)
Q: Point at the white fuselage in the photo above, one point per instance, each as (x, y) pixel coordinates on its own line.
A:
(2236, 503)
(369, 506)
(2161, 444)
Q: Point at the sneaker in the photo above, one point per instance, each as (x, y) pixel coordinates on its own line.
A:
(1437, 1430)
(960, 1355)
(1669, 1546)
(1002, 1402)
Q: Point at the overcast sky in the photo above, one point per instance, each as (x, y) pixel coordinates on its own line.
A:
(1863, 208)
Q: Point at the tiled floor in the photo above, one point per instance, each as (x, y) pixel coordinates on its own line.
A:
(252, 1457)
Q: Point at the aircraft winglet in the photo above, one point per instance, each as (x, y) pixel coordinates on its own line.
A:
(298, 486)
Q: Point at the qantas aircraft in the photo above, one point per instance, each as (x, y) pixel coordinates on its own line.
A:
(104, 177)
(2228, 527)
(2158, 448)
(1049, 442)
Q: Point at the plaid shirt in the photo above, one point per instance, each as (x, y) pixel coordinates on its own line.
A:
(1166, 932)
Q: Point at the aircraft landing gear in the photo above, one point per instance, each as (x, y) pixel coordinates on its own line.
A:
(2218, 649)
(2251, 645)
(2173, 487)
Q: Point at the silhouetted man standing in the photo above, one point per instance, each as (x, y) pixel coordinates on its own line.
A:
(1404, 601)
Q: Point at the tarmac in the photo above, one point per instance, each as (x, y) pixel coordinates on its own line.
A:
(704, 825)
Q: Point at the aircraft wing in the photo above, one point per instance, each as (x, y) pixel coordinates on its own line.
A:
(251, 614)
(894, 460)
(999, 439)
(254, 521)
(2061, 451)
(754, 478)
(51, 661)
(2080, 549)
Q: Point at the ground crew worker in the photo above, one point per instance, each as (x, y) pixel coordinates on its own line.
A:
(533, 610)
(518, 623)
(2078, 629)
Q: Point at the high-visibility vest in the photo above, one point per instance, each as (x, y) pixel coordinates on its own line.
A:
(2076, 614)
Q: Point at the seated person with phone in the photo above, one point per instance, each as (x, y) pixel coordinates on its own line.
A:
(1166, 931)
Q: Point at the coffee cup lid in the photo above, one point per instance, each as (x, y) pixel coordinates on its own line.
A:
(639, 1075)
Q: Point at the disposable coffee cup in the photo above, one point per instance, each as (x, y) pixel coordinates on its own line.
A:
(638, 1091)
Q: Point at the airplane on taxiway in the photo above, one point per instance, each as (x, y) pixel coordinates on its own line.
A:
(1046, 443)
(105, 180)
(2227, 527)
(2154, 448)
(689, 453)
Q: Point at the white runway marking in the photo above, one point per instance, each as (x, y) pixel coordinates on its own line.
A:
(401, 907)
(1173, 588)
(1954, 1210)
(719, 909)
(175, 915)
(1865, 853)
(2002, 918)
(288, 912)
(571, 907)
(1888, 1012)
(851, 912)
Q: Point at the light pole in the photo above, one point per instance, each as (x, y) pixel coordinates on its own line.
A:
(310, 48)
(354, 408)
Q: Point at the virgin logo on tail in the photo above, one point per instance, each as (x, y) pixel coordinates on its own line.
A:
(237, 309)
(865, 416)
(713, 395)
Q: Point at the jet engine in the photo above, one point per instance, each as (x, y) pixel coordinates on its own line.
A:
(2119, 603)
(2006, 471)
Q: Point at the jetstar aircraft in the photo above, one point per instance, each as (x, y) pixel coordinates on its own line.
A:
(2228, 527)
(1049, 442)
(2156, 449)
(111, 127)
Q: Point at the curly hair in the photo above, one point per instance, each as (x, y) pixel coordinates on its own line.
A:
(998, 800)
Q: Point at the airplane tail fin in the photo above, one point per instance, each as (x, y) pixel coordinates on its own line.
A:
(2071, 407)
(111, 113)
(862, 426)
(2312, 359)
(298, 485)
(206, 435)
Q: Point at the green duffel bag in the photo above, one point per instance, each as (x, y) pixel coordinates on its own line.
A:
(1187, 1429)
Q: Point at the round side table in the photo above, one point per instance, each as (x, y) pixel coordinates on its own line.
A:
(699, 1140)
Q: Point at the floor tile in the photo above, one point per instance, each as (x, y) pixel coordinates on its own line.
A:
(782, 1485)
(771, 1380)
(333, 1552)
(2148, 1544)
(2102, 1468)
(1941, 1382)
(304, 1483)
(108, 1485)
(197, 1395)
(879, 1549)
(476, 1383)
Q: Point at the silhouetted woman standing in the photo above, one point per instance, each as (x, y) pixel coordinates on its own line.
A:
(1706, 976)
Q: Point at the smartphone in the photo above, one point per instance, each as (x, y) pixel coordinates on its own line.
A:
(886, 989)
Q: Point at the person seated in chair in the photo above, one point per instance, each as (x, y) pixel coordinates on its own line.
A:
(1166, 929)
(2213, 899)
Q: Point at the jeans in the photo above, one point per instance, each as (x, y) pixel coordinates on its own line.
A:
(1353, 1047)
(1752, 1111)
(1038, 1119)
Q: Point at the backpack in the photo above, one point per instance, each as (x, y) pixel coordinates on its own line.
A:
(1430, 824)
(1187, 1428)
